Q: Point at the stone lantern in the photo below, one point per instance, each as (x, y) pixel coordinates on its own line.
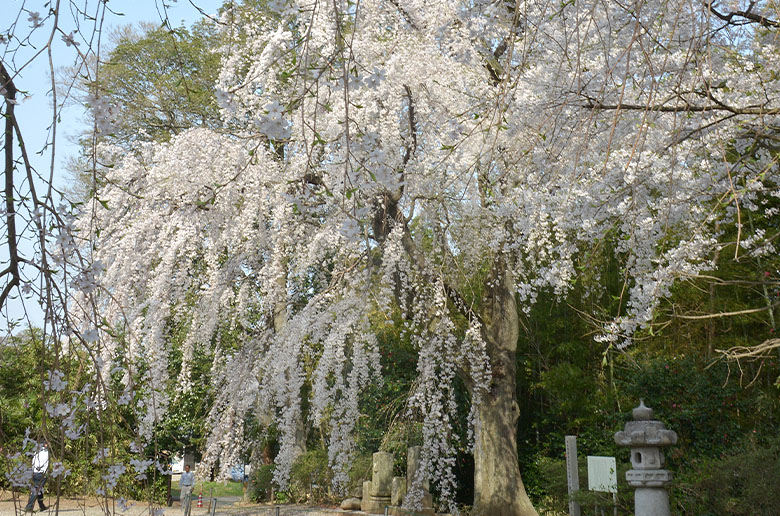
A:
(646, 437)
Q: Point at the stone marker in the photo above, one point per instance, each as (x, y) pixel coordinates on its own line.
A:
(413, 463)
(382, 474)
(398, 491)
(413, 459)
(364, 498)
(377, 496)
(572, 473)
(351, 504)
(646, 436)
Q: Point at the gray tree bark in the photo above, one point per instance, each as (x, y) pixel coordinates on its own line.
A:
(498, 486)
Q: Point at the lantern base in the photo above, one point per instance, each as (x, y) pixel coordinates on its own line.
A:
(651, 501)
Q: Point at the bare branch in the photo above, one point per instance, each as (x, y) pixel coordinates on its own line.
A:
(7, 85)
(684, 108)
(405, 14)
(412, 127)
(747, 15)
(727, 314)
(750, 352)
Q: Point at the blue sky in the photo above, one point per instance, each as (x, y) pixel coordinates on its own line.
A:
(34, 112)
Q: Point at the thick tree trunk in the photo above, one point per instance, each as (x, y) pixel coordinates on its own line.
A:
(498, 487)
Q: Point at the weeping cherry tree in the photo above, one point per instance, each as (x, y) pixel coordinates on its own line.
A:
(445, 161)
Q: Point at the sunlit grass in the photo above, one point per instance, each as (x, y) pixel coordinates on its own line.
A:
(220, 489)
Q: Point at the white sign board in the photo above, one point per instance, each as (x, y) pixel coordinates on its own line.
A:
(602, 474)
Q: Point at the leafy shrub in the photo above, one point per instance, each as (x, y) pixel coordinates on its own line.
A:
(700, 404)
(555, 499)
(740, 483)
(310, 478)
(262, 486)
(361, 470)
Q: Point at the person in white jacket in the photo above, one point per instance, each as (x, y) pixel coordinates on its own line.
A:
(40, 465)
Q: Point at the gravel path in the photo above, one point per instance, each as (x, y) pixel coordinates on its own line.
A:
(91, 507)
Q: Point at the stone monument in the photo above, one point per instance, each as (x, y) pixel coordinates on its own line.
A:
(646, 437)
(376, 493)
(398, 491)
(413, 459)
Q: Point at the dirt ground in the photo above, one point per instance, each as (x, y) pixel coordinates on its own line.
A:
(92, 507)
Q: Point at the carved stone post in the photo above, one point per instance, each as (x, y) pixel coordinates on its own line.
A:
(378, 497)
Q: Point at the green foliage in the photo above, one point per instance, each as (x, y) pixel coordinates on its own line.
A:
(25, 360)
(706, 410)
(568, 384)
(310, 478)
(360, 471)
(742, 482)
(20, 386)
(184, 425)
(383, 424)
(156, 82)
(262, 482)
(161, 81)
(556, 499)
